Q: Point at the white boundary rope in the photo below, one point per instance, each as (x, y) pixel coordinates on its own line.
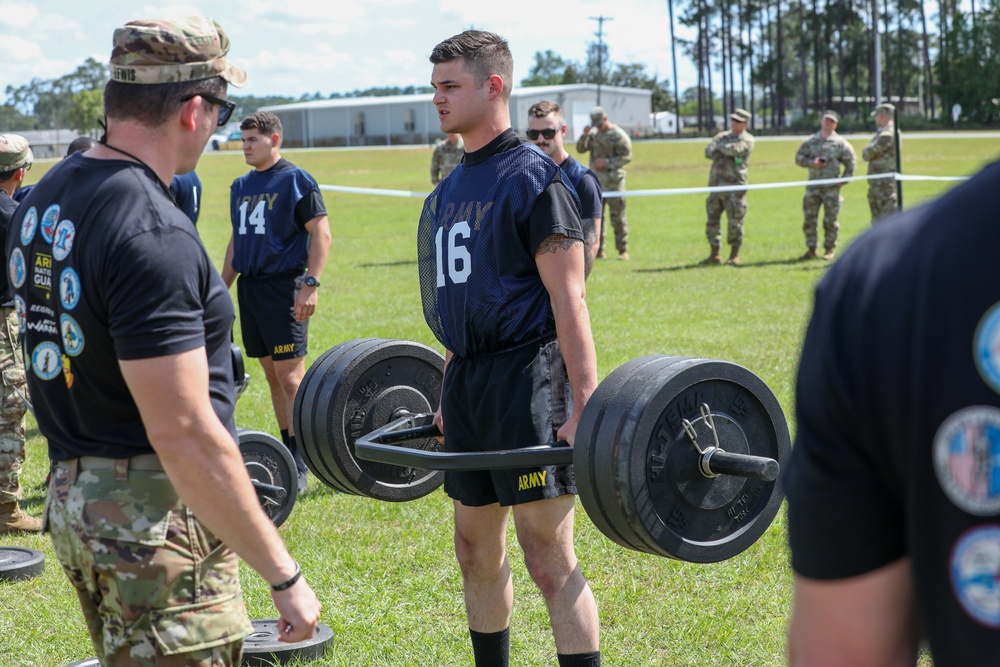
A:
(680, 191)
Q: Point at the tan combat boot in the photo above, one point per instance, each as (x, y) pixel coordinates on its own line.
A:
(809, 254)
(14, 520)
(828, 255)
(713, 257)
(734, 256)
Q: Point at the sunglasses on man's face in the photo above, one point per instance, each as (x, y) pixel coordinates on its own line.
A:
(548, 134)
(226, 107)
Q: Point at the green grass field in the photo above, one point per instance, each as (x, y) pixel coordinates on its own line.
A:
(385, 572)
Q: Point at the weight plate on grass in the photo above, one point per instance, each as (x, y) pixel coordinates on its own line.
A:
(20, 563)
(655, 481)
(365, 385)
(262, 648)
(272, 469)
(89, 662)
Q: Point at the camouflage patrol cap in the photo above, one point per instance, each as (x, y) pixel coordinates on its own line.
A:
(740, 115)
(172, 51)
(14, 152)
(887, 109)
(832, 115)
(597, 114)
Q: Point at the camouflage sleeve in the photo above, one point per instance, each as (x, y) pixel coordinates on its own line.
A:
(622, 153)
(436, 167)
(879, 146)
(803, 157)
(710, 149)
(848, 157)
(741, 148)
(583, 143)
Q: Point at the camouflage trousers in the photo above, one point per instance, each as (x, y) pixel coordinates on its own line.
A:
(619, 220)
(735, 206)
(829, 198)
(882, 198)
(156, 587)
(12, 408)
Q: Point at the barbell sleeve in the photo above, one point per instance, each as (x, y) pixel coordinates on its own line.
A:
(715, 462)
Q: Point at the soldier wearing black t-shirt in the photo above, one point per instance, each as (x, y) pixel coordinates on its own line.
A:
(126, 327)
(894, 481)
(500, 248)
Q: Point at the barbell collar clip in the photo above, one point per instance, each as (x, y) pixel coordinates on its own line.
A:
(714, 462)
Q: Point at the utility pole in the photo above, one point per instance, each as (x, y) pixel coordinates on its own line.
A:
(878, 54)
(673, 57)
(600, 52)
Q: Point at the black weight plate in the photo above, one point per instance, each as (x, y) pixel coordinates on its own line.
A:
(677, 510)
(20, 563)
(586, 469)
(263, 649)
(269, 461)
(368, 388)
(310, 419)
(612, 446)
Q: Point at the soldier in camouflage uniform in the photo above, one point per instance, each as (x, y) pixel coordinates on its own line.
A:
(880, 153)
(729, 153)
(447, 154)
(610, 150)
(126, 327)
(822, 154)
(15, 160)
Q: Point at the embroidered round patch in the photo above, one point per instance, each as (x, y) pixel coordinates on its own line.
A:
(46, 360)
(967, 459)
(16, 268)
(63, 243)
(986, 347)
(49, 221)
(69, 288)
(975, 574)
(28, 225)
(72, 335)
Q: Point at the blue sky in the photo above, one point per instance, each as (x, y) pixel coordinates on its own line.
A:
(291, 47)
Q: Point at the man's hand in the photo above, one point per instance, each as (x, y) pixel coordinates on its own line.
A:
(567, 431)
(299, 610)
(599, 163)
(305, 302)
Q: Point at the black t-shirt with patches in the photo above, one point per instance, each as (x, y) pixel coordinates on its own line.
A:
(897, 453)
(105, 268)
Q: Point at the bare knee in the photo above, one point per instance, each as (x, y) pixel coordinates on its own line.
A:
(550, 568)
(478, 558)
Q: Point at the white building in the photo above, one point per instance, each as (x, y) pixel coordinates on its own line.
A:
(412, 119)
(664, 122)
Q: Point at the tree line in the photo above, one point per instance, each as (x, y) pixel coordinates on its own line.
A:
(783, 60)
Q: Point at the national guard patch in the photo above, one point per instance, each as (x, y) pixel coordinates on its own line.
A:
(967, 459)
(49, 221)
(16, 268)
(986, 347)
(975, 574)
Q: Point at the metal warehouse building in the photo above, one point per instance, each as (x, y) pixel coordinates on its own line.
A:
(412, 119)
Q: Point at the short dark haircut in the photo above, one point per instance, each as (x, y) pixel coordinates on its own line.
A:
(152, 104)
(263, 121)
(7, 175)
(544, 108)
(484, 53)
(80, 144)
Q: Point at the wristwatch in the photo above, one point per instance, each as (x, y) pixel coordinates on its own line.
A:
(312, 282)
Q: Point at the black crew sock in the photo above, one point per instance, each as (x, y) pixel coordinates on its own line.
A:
(293, 446)
(592, 659)
(492, 649)
(284, 436)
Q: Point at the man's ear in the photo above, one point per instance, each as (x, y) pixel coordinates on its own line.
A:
(495, 85)
(189, 111)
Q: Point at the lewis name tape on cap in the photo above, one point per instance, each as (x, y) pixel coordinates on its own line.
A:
(674, 456)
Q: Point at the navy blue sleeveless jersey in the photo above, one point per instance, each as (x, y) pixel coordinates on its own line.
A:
(476, 244)
(103, 267)
(269, 211)
(587, 187)
(186, 190)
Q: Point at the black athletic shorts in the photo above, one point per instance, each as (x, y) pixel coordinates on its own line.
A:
(267, 317)
(506, 401)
